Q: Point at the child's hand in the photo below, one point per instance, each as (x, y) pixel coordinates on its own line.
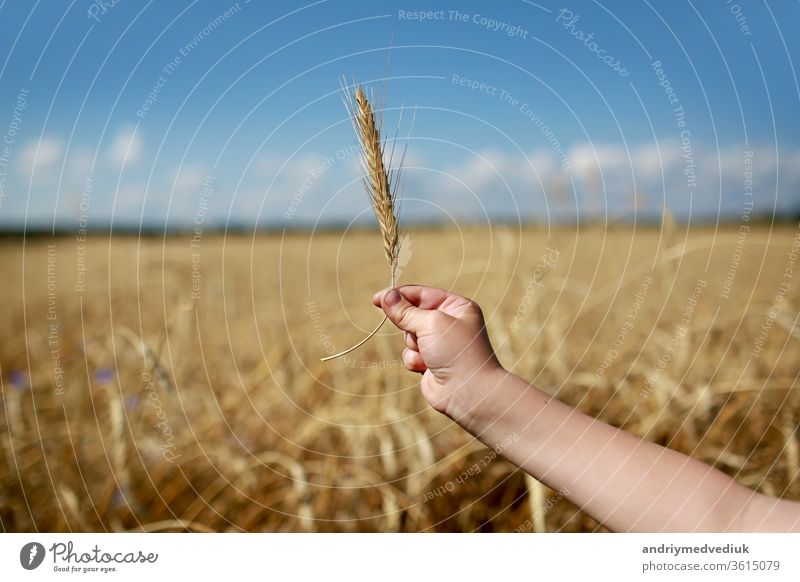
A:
(446, 340)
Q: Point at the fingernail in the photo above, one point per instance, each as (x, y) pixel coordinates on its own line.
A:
(392, 297)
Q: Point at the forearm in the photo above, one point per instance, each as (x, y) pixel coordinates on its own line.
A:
(627, 483)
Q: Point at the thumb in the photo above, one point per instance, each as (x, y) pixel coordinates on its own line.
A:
(401, 312)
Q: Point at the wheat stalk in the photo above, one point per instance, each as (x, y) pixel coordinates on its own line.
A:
(379, 181)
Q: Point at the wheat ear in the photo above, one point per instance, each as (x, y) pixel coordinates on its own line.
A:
(379, 185)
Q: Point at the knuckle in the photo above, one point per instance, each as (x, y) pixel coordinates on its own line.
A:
(439, 322)
(404, 315)
(475, 308)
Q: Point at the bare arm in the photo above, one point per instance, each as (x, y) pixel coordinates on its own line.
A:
(627, 483)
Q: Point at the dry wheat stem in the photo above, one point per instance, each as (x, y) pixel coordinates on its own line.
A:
(379, 186)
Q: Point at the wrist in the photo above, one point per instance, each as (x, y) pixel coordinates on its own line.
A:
(469, 403)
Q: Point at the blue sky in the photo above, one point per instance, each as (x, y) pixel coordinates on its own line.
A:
(162, 114)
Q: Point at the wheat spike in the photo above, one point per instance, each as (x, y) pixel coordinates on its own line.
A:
(378, 183)
(380, 192)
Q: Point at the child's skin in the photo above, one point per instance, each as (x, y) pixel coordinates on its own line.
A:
(627, 483)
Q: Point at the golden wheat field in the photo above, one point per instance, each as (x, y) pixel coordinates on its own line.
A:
(171, 384)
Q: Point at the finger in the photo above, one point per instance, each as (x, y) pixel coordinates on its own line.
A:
(376, 299)
(402, 313)
(420, 296)
(411, 341)
(423, 296)
(413, 362)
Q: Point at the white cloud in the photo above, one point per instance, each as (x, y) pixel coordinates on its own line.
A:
(126, 147)
(413, 158)
(544, 164)
(42, 154)
(493, 169)
(653, 160)
(188, 185)
(591, 159)
(79, 163)
(188, 177)
(492, 180)
(129, 199)
(482, 169)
